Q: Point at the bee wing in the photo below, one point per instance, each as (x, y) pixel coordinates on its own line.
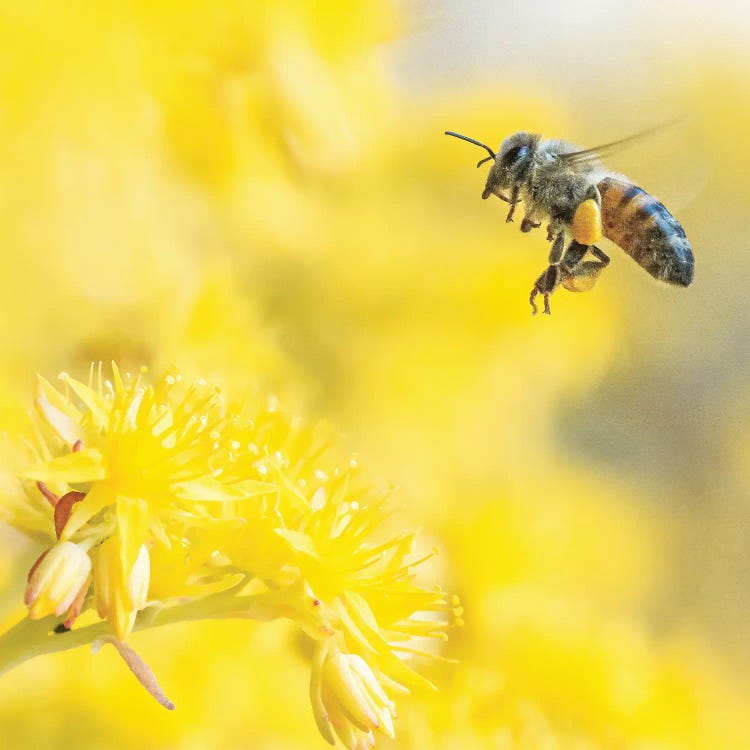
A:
(671, 166)
(607, 149)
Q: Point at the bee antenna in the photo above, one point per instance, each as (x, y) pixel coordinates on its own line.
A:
(491, 153)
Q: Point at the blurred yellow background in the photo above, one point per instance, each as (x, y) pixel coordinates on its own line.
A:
(261, 193)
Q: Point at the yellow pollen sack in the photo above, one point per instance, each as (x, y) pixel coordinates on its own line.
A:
(587, 223)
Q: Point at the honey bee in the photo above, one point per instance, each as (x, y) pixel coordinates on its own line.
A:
(581, 201)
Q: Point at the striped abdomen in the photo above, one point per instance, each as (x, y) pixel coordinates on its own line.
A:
(641, 225)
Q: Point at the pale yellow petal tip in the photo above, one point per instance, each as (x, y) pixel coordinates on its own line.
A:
(587, 223)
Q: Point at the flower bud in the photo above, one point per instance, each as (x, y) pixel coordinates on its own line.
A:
(353, 700)
(56, 580)
(120, 594)
(348, 690)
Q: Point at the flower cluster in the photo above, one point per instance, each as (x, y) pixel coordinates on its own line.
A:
(156, 491)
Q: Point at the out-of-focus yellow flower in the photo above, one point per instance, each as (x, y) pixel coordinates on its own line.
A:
(542, 670)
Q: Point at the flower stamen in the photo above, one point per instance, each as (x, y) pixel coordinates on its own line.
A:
(50, 496)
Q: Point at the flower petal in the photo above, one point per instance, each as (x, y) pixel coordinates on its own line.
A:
(299, 541)
(132, 523)
(85, 465)
(49, 393)
(208, 489)
(65, 425)
(316, 682)
(98, 406)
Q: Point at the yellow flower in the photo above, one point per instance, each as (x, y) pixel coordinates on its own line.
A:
(368, 587)
(147, 462)
(320, 543)
(248, 508)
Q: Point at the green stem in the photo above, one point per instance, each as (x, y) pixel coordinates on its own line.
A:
(30, 638)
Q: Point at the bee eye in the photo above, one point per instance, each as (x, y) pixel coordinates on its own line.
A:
(516, 153)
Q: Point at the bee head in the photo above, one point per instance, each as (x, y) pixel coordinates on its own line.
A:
(511, 163)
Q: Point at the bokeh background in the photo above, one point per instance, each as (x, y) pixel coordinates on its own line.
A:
(262, 194)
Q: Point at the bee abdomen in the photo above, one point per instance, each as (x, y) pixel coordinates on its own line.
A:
(641, 225)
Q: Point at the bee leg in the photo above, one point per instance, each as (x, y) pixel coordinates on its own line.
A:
(573, 256)
(585, 274)
(594, 194)
(556, 251)
(545, 285)
(557, 273)
(554, 228)
(600, 254)
(528, 224)
(513, 201)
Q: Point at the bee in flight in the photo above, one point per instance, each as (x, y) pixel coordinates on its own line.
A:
(581, 201)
